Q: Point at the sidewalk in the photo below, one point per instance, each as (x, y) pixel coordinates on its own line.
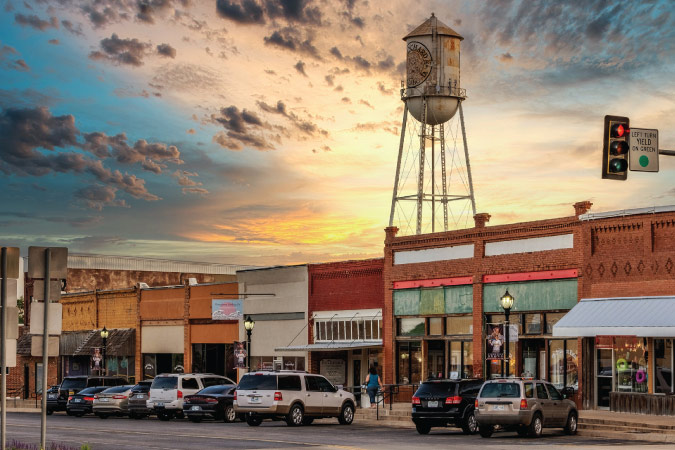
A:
(627, 426)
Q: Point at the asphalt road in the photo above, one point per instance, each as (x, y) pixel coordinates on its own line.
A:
(122, 433)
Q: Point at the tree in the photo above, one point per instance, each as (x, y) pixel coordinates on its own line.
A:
(19, 305)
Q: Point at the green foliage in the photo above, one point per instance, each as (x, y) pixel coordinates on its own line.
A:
(20, 306)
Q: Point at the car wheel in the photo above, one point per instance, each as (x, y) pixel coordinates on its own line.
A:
(230, 415)
(347, 414)
(70, 413)
(423, 428)
(485, 430)
(572, 422)
(253, 421)
(536, 426)
(165, 416)
(195, 419)
(522, 430)
(469, 425)
(295, 416)
(50, 412)
(307, 420)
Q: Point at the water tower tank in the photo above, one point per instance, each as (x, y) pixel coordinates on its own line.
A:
(432, 71)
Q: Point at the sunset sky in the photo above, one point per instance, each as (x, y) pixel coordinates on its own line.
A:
(266, 132)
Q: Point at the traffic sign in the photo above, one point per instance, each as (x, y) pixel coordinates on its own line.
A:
(644, 150)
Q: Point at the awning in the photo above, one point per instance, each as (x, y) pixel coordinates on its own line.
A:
(332, 346)
(631, 316)
(348, 314)
(120, 342)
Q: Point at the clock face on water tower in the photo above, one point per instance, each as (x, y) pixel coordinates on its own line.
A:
(418, 63)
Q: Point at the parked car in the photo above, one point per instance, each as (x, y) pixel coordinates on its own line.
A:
(81, 403)
(138, 398)
(72, 385)
(296, 397)
(213, 402)
(168, 390)
(525, 406)
(53, 400)
(439, 403)
(113, 401)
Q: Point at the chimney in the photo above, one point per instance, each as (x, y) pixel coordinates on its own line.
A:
(582, 208)
(390, 233)
(481, 219)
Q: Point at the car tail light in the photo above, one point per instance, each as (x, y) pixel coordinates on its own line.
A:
(416, 401)
(179, 394)
(211, 400)
(456, 400)
(278, 397)
(90, 399)
(475, 404)
(119, 397)
(235, 396)
(523, 403)
(70, 397)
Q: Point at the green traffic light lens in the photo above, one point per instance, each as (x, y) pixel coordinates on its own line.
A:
(618, 165)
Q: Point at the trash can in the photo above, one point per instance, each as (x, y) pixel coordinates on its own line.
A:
(365, 398)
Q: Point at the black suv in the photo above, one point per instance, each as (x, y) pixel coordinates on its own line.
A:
(57, 401)
(438, 403)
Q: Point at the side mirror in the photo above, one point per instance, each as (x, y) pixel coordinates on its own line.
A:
(568, 392)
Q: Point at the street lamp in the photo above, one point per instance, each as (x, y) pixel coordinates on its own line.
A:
(507, 303)
(104, 336)
(248, 324)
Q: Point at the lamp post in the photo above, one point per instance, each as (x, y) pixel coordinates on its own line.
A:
(104, 336)
(507, 303)
(248, 324)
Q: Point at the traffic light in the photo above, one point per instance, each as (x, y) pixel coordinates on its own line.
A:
(616, 144)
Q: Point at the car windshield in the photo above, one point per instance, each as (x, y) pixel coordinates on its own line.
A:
(116, 389)
(165, 383)
(261, 382)
(90, 391)
(215, 390)
(145, 387)
(436, 388)
(73, 383)
(497, 390)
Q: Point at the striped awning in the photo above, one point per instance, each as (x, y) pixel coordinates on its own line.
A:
(628, 316)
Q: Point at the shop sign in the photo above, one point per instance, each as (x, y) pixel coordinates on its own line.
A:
(227, 309)
(495, 341)
(333, 370)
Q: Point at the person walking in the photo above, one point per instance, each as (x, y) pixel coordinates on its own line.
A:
(373, 383)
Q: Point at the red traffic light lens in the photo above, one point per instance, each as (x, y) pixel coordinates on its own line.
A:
(618, 148)
(619, 130)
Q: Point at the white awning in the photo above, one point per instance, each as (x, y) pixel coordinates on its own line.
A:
(631, 316)
(332, 345)
(348, 314)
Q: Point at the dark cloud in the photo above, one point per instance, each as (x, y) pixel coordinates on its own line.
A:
(121, 51)
(8, 60)
(189, 186)
(54, 41)
(506, 57)
(166, 50)
(103, 13)
(97, 197)
(148, 154)
(243, 11)
(330, 80)
(147, 9)
(244, 128)
(293, 11)
(346, 100)
(336, 52)
(289, 38)
(324, 148)
(304, 126)
(366, 103)
(300, 67)
(68, 25)
(35, 22)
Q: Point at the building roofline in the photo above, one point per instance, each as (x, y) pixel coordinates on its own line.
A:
(627, 212)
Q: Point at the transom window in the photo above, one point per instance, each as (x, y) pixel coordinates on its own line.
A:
(347, 330)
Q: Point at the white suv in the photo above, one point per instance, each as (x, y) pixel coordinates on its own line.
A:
(296, 397)
(168, 390)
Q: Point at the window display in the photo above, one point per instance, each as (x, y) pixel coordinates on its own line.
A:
(631, 364)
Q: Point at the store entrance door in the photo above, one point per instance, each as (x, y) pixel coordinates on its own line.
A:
(534, 358)
(436, 359)
(603, 377)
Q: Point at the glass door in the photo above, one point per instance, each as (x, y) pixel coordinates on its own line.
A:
(436, 359)
(603, 377)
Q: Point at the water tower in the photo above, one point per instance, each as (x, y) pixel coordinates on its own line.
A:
(432, 174)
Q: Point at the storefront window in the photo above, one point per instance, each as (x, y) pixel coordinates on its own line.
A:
(411, 327)
(459, 325)
(572, 357)
(496, 366)
(631, 364)
(532, 323)
(435, 326)
(663, 376)
(556, 355)
(409, 358)
(552, 319)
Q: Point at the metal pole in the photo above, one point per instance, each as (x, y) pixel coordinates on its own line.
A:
(105, 348)
(248, 354)
(3, 348)
(667, 152)
(466, 155)
(507, 354)
(398, 166)
(45, 351)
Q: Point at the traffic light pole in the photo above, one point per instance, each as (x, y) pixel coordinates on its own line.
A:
(45, 350)
(3, 348)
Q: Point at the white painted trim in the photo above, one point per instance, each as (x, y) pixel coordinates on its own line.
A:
(433, 254)
(529, 245)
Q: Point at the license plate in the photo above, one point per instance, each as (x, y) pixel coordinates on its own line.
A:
(254, 399)
(76, 400)
(498, 407)
(196, 408)
(432, 404)
(160, 404)
(104, 399)
(52, 396)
